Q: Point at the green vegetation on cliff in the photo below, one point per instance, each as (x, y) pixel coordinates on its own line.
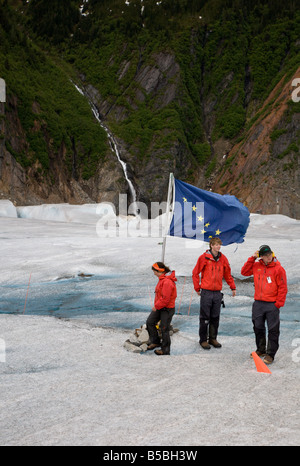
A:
(230, 55)
(53, 115)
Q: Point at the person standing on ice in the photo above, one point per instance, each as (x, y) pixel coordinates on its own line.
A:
(270, 286)
(213, 266)
(163, 309)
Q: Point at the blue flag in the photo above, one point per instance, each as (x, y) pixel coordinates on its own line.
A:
(203, 215)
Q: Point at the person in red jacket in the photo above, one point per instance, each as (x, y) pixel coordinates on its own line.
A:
(213, 266)
(163, 309)
(270, 286)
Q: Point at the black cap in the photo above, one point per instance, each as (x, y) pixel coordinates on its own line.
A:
(263, 250)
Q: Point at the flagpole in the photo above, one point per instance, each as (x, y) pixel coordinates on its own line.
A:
(170, 189)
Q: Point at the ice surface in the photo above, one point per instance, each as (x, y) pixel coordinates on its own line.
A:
(69, 381)
(87, 213)
(7, 209)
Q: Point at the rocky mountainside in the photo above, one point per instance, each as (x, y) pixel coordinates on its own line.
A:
(203, 89)
(264, 167)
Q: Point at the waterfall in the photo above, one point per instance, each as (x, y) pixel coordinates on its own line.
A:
(115, 149)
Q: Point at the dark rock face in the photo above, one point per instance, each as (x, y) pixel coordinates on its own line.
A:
(26, 186)
(262, 171)
(150, 175)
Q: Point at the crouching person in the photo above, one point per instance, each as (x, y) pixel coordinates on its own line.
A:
(163, 309)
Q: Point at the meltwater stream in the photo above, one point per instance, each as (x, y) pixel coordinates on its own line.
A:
(100, 297)
(125, 302)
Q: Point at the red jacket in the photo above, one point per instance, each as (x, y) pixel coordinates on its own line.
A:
(269, 280)
(165, 291)
(212, 272)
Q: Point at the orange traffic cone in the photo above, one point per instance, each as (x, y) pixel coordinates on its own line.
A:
(260, 365)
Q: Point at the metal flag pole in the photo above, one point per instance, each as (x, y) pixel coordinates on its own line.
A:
(168, 211)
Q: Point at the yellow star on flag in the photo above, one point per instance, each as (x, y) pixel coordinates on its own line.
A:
(184, 199)
(200, 218)
(207, 224)
(203, 231)
(218, 232)
(194, 208)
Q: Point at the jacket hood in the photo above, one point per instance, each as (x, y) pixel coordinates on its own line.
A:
(208, 255)
(169, 276)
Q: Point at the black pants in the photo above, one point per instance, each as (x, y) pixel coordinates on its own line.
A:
(262, 312)
(165, 317)
(210, 309)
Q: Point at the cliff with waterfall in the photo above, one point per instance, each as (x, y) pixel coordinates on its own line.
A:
(110, 97)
